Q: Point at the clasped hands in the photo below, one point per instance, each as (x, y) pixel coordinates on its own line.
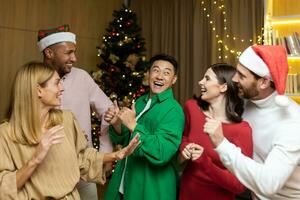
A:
(192, 151)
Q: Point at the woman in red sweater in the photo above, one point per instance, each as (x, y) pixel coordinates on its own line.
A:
(204, 176)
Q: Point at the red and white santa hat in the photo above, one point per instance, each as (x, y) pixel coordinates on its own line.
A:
(55, 35)
(268, 61)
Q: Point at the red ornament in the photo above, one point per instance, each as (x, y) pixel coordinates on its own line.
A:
(113, 33)
(112, 69)
(128, 23)
(142, 90)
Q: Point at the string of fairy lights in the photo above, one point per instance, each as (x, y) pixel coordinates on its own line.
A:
(222, 45)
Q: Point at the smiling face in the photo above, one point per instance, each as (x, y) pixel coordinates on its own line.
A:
(246, 82)
(49, 94)
(210, 87)
(161, 76)
(62, 56)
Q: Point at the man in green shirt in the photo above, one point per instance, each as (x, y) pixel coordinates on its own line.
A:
(150, 172)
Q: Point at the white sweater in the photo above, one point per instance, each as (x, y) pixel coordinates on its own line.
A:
(274, 172)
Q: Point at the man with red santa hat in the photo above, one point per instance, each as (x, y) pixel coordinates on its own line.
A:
(274, 172)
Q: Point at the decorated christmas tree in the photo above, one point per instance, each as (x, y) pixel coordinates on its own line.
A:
(123, 66)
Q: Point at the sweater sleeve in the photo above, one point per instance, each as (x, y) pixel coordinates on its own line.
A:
(8, 184)
(223, 177)
(161, 145)
(269, 177)
(100, 103)
(89, 159)
(8, 170)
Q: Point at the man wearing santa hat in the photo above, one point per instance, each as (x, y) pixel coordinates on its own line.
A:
(274, 172)
(81, 94)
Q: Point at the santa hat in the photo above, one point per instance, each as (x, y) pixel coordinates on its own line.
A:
(270, 61)
(55, 35)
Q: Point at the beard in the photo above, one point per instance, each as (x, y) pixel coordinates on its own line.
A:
(248, 93)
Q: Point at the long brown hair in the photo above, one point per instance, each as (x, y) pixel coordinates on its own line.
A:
(234, 104)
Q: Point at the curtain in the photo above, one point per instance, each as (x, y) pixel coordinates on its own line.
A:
(198, 34)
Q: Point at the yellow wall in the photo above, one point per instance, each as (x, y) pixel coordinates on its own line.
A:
(285, 15)
(21, 19)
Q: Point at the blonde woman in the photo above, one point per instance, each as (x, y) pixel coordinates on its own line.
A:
(43, 150)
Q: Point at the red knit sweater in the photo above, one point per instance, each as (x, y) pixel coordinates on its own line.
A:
(207, 178)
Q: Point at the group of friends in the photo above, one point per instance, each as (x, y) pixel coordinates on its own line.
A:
(240, 132)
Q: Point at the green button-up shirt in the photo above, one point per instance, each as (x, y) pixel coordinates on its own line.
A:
(151, 171)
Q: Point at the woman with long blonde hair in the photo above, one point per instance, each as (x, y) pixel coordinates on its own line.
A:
(44, 152)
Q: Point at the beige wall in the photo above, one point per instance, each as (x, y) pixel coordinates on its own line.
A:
(21, 19)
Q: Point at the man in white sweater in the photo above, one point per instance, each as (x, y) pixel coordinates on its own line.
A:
(274, 172)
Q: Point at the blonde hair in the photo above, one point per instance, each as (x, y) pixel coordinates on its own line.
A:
(25, 106)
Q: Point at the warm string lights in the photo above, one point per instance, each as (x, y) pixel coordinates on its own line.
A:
(222, 45)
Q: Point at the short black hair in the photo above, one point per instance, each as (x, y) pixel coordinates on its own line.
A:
(167, 58)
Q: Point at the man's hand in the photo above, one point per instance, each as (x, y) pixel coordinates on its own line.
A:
(111, 115)
(127, 117)
(214, 129)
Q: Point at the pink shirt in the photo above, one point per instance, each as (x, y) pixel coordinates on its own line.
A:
(81, 95)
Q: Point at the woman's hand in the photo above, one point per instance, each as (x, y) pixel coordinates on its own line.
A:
(129, 149)
(186, 152)
(196, 151)
(53, 136)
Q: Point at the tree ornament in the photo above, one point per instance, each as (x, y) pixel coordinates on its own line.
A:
(113, 96)
(113, 58)
(131, 61)
(128, 23)
(142, 90)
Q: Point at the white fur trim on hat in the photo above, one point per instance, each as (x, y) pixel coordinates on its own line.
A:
(56, 38)
(254, 63)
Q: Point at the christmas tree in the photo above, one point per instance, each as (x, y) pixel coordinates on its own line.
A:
(121, 73)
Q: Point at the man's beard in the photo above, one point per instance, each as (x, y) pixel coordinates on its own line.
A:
(248, 93)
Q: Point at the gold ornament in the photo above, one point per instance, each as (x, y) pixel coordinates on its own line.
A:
(113, 96)
(97, 75)
(126, 101)
(131, 61)
(113, 58)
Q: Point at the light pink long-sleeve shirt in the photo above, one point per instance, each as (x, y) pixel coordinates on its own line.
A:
(81, 95)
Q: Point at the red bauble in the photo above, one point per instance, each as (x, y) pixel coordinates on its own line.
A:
(128, 23)
(142, 90)
(113, 33)
(112, 69)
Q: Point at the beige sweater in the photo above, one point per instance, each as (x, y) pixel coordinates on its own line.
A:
(57, 176)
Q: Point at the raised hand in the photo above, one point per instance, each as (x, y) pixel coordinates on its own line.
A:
(53, 136)
(111, 114)
(127, 117)
(214, 129)
(129, 149)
